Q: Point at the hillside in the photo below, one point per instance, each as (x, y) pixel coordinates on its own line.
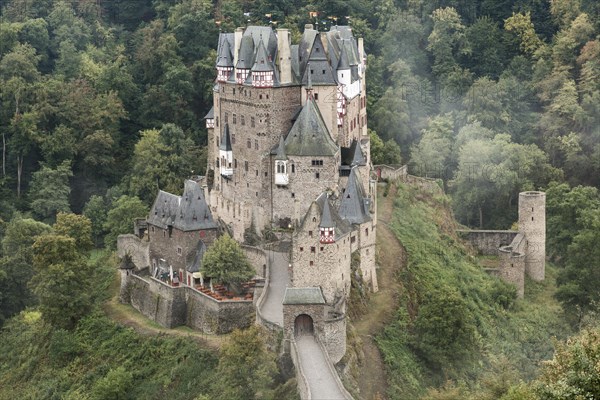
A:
(452, 321)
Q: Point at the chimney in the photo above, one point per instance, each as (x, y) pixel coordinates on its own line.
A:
(361, 50)
(237, 40)
(285, 56)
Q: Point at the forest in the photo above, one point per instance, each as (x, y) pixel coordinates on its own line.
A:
(102, 104)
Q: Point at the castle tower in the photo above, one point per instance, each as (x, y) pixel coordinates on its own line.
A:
(532, 224)
(226, 153)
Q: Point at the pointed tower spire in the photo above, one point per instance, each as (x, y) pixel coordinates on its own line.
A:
(281, 150)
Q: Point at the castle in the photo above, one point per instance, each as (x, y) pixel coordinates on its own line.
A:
(288, 151)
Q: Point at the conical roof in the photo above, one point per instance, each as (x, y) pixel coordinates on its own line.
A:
(281, 150)
(343, 62)
(309, 135)
(326, 220)
(225, 58)
(353, 208)
(358, 158)
(225, 139)
(262, 62)
(246, 54)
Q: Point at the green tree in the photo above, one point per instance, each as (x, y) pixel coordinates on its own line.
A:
(447, 41)
(50, 191)
(113, 386)
(62, 281)
(120, 218)
(226, 263)
(573, 373)
(96, 209)
(16, 264)
(246, 368)
(77, 227)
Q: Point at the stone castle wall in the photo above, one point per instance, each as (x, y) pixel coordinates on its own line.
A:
(175, 306)
(334, 338)
(134, 246)
(512, 263)
(487, 242)
(175, 247)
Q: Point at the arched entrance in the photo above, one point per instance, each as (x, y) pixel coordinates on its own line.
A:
(303, 325)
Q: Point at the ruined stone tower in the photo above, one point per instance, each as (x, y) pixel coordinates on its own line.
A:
(532, 223)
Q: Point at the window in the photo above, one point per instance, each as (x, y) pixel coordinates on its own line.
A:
(316, 96)
(249, 143)
(233, 138)
(234, 118)
(317, 175)
(252, 122)
(267, 174)
(367, 231)
(322, 248)
(310, 233)
(311, 263)
(301, 248)
(243, 120)
(260, 96)
(217, 163)
(293, 196)
(179, 251)
(246, 166)
(234, 93)
(255, 144)
(317, 163)
(235, 163)
(226, 117)
(312, 71)
(353, 239)
(217, 121)
(323, 72)
(293, 168)
(313, 249)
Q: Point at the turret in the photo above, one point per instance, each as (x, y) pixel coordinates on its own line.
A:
(262, 71)
(210, 118)
(326, 226)
(224, 61)
(226, 154)
(344, 75)
(245, 58)
(281, 168)
(532, 223)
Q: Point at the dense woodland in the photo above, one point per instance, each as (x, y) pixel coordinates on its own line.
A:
(101, 104)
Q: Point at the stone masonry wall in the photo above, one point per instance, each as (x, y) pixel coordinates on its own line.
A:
(488, 242)
(136, 247)
(512, 264)
(330, 267)
(258, 259)
(175, 248)
(334, 338)
(175, 306)
(532, 223)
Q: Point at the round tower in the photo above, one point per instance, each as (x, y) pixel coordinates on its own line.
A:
(532, 224)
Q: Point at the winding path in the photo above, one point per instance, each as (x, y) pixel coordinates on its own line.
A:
(322, 384)
(272, 309)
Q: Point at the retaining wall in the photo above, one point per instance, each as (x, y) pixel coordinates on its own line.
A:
(175, 306)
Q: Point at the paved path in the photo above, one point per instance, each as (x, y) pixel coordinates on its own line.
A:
(322, 384)
(272, 308)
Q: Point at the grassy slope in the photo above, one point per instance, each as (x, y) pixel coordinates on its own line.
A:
(511, 336)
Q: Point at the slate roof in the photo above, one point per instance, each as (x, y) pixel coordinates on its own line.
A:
(211, 113)
(341, 227)
(194, 259)
(309, 135)
(343, 59)
(188, 212)
(246, 53)
(225, 139)
(303, 295)
(319, 69)
(352, 155)
(326, 220)
(263, 61)
(354, 205)
(280, 155)
(225, 56)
